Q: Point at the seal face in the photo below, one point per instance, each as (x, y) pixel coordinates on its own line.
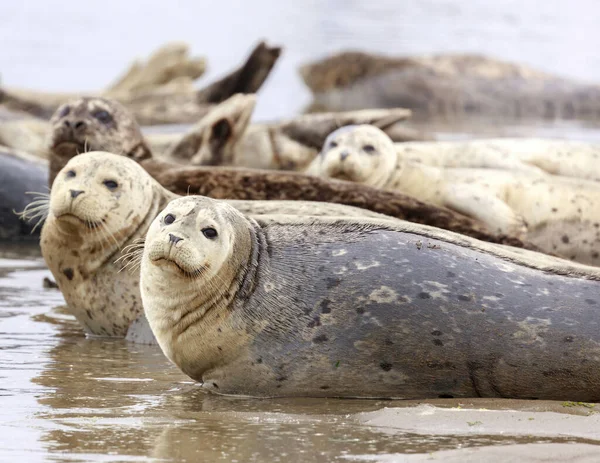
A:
(367, 308)
(93, 124)
(100, 202)
(358, 153)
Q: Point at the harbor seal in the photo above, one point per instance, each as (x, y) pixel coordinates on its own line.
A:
(323, 307)
(101, 204)
(264, 184)
(447, 86)
(560, 215)
(93, 124)
(20, 174)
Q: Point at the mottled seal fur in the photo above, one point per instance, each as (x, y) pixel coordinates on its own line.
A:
(93, 124)
(324, 307)
(100, 204)
(560, 215)
(535, 155)
(447, 86)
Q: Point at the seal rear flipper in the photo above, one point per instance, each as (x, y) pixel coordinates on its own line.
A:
(312, 129)
(481, 205)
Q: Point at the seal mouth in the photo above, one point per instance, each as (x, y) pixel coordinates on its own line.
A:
(191, 274)
(342, 174)
(72, 218)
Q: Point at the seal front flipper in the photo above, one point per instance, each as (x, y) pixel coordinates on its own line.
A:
(481, 205)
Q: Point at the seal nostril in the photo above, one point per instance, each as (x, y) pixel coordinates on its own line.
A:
(174, 239)
(344, 155)
(67, 124)
(80, 125)
(75, 193)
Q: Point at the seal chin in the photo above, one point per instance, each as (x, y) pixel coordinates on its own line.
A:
(342, 174)
(73, 219)
(171, 262)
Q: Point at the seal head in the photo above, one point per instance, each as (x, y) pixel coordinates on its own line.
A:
(198, 259)
(100, 203)
(358, 153)
(93, 124)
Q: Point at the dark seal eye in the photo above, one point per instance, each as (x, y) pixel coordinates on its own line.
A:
(110, 184)
(210, 233)
(64, 112)
(369, 148)
(333, 144)
(70, 174)
(169, 219)
(103, 116)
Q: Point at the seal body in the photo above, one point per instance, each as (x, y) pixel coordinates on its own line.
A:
(342, 308)
(447, 86)
(558, 214)
(531, 155)
(19, 175)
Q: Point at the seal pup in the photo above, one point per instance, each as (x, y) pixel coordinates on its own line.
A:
(560, 215)
(102, 204)
(447, 86)
(325, 307)
(225, 137)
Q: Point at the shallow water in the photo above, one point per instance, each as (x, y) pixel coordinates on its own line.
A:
(67, 398)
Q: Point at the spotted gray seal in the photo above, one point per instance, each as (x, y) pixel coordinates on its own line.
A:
(561, 215)
(324, 307)
(101, 204)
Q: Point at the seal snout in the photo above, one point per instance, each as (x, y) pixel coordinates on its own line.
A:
(173, 239)
(75, 193)
(344, 155)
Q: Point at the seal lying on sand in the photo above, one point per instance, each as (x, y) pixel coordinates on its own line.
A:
(560, 215)
(535, 155)
(224, 136)
(121, 134)
(323, 307)
(447, 86)
(102, 203)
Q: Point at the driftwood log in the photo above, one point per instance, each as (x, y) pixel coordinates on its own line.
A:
(161, 91)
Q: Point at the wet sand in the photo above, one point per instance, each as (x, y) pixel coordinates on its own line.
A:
(65, 397)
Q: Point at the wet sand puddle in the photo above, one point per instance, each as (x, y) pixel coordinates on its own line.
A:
(64, 397)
